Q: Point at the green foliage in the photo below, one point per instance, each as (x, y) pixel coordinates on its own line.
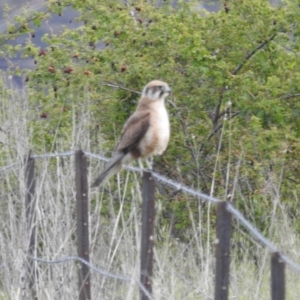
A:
(247, 56)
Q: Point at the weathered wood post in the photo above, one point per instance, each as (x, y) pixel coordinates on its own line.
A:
(277, 277)
(82, 207)
(30, 209)
(222, 252)
(147, 234)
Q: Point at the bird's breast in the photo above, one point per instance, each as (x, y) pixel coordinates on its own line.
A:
(157, 137)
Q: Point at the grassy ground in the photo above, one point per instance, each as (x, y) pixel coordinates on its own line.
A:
(183, 270)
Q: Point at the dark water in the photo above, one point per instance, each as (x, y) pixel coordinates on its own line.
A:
(56, 22)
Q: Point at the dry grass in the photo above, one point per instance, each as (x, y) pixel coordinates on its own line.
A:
(182, 270)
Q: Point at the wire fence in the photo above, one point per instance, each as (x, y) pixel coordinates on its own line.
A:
(254, 231)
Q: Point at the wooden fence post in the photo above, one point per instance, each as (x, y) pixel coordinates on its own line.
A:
(277, 277)
(222, 252)
(30, 209)
(147, 242)
(82, 207)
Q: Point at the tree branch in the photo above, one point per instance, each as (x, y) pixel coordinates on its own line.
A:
(250, 54)
(291, 96)
(220, 125)
(121, 88)
(188, 140)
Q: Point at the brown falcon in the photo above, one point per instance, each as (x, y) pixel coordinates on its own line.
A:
(146, 132)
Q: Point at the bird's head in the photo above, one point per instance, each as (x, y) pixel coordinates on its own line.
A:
(156, 90)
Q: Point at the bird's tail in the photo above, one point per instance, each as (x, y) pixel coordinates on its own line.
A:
(112, 167)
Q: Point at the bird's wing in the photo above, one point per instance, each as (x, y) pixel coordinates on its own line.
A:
(134, 130)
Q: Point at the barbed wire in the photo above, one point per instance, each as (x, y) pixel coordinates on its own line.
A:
(76, 258)
(181, 187)
(49, 155)
(260, 237)
(97, 270)
(6, 168)
(235, 212)
(46, 155)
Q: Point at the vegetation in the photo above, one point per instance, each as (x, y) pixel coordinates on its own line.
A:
(234, 109)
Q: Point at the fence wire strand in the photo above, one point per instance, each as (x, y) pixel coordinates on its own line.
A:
(49, 155)
(235, 212)
(46, 155)
(180, 187)
(97, 270)
(6, 168)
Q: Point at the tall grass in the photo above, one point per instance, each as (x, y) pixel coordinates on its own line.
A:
(183, 270)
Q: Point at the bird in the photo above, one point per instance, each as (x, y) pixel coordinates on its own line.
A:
(146, 133)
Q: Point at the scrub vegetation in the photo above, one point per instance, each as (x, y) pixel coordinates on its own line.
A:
(235, 125)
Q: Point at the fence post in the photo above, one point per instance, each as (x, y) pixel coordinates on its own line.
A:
(222, 252)
(147, 242)
(30, 209)
(277, 277)
(82, 207)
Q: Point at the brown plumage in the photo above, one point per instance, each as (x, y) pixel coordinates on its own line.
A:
(145, 133)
